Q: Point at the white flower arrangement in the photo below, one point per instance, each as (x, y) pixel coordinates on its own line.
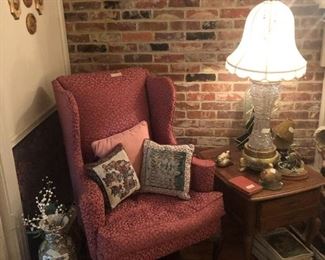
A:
(51, 216)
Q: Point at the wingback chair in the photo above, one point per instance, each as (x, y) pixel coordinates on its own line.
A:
(93, 106)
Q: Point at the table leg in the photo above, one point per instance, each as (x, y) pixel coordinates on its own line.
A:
(248, 243)
(312, 230)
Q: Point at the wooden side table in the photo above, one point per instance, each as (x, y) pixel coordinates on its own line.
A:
(297, 201)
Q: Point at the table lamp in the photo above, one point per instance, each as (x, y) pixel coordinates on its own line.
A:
(267, 55)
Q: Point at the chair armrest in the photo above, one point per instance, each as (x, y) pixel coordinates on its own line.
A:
(92, 211)
(202, 175)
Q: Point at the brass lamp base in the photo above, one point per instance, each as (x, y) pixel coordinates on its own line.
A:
(258, 160)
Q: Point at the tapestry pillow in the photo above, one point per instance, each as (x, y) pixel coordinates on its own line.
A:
(132, 141)
(115, 176)
(166, 169)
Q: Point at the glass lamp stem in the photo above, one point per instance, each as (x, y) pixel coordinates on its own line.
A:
(263, 96)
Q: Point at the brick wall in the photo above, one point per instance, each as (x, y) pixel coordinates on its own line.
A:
(189, 41)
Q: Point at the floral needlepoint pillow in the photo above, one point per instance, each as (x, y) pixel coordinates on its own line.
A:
(166, 169)
(115, 176)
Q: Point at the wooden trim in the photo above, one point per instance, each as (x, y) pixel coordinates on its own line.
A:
(3, 244)
(12, 230)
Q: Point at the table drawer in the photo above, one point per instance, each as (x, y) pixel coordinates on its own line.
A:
(287, 218)
(290, 203)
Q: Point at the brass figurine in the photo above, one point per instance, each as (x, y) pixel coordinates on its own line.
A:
(283, 135)
(224, 159)
(270, 178)
(290, 165)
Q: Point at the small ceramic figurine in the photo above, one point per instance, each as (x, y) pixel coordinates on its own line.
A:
(223, 159)
(319, 137)
(242, 164)
(270, 178)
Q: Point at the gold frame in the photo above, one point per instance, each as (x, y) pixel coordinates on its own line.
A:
(31, 23)
(28, 3)
(15, 8)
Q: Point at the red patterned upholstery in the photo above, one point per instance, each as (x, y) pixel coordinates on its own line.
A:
(146, 226)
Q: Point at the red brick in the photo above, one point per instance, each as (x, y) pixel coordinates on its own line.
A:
(90, 27)
(241, 87)
(229, 77)
(185, 25)
(200, 96)
(199, 132)
(187, 67)
(201, 114)
(185, 46)
(234, 13)
(90, 5)
(124, 26)
(174, 77)
(184, 3)
(137, 37)
(108, 58)
(117, 47)
(310, 87)
(169, 58)
(215, 123)
(138, 58)
(202, 15)
(186, 123)
(229, 35)
(168, 15)
(156, 68)
(228, 97)
(187, 106)
(293, 115)
(186, 88)
(104, 15)
(215, 106)
(180, 96)
(186, 140)
(295, 97)
(78, 38)
(173, 36)
(80, 58)
(200, 57)
(152, 26)
(180, 114)
(217, 87)
(151, 4)
(230, 114)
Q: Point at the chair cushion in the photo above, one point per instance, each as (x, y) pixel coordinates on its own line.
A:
(132, 141)
(147, 221)
(115, 176)
(166, 169)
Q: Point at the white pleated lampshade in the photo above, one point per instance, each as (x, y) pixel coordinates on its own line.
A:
(268, 51)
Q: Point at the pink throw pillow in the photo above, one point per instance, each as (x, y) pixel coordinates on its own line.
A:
(132, 141)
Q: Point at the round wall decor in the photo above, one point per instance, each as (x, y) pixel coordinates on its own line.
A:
(28, 3)
(31, 23)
